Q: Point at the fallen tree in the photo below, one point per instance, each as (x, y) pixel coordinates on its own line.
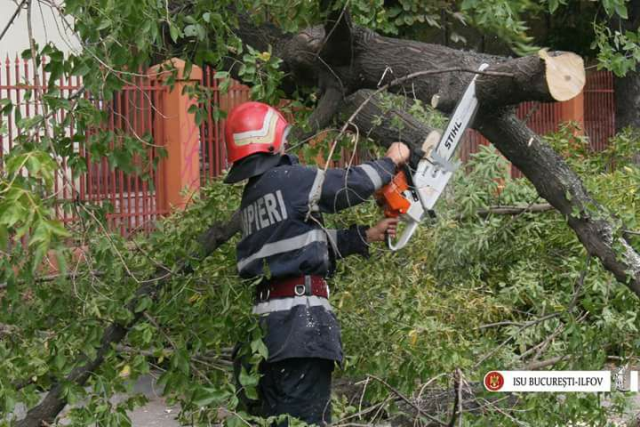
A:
(348, 62)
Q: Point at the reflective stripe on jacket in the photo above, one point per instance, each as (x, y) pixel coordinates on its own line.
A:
(278, 239)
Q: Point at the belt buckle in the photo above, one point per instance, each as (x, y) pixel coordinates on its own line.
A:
(300, 290)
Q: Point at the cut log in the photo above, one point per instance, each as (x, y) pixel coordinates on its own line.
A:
(564, 74)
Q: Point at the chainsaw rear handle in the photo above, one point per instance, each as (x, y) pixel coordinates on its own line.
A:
(411, 227)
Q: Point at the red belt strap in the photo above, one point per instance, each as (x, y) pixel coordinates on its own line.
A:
(293, 287)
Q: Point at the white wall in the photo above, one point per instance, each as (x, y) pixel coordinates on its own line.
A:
(47, 27)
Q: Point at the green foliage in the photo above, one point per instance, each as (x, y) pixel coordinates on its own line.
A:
(261, 71)
(428, 303)
(618, 51)
(402, 16)
(425, 306)
(503, 18)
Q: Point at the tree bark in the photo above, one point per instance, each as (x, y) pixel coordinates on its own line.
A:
(627, 96)
(627, 88)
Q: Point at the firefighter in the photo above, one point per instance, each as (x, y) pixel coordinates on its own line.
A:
(284, 242)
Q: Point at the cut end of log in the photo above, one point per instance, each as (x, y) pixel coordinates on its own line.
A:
(565, 74)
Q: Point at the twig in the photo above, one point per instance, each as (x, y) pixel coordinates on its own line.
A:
(407, 400)
(503, 323)
(579, 284)
(13, 18)
(36, 74)
(522, 328)
(457, 400)
(544, 363)
(522, 325)
(540, 347)
(362, 412)
(511, 210)
(422, 389)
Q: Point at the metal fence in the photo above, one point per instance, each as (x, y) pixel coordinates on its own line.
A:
(133, 201)
(599, 109)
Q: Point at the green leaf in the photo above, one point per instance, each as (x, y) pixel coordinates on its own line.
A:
(208, 395)
(621, 10)
(258, 347)
(191, 30)
(248, 380)
(174, 32)
(144, 303)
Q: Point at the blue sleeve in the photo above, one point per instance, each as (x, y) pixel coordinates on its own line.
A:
(338, 189)
(349, 241)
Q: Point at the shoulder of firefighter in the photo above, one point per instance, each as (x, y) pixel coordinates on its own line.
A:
(281, 222)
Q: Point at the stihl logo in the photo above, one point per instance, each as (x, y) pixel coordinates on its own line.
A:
(452, 134)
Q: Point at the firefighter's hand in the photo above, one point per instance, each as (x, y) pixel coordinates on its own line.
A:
(399, 153)
(378, 233)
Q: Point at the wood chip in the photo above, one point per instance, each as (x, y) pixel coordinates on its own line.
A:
(434, 101)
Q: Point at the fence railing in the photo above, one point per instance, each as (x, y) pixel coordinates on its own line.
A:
(134, 112)
(130, 113)
(599, 109)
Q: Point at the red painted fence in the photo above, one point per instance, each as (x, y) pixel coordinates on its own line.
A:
(133, 111)
(599, 109)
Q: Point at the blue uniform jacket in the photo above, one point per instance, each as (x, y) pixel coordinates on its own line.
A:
(280, 239)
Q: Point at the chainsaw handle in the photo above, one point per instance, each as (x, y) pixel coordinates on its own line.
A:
(411, 227)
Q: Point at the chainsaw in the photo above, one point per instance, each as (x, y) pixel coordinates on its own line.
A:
(413, 192)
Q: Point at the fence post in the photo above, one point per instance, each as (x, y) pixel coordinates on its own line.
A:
(179, 175)
(573, 111)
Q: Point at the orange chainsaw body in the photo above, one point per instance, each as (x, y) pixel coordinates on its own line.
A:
(391, 198)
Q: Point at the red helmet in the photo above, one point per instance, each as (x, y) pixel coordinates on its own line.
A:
(254, 127)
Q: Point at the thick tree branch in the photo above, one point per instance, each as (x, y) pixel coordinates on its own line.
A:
(384, 125)
(563, 189)
(337, 44)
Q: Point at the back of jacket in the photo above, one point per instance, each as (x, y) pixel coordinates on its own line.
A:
(280, 239)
